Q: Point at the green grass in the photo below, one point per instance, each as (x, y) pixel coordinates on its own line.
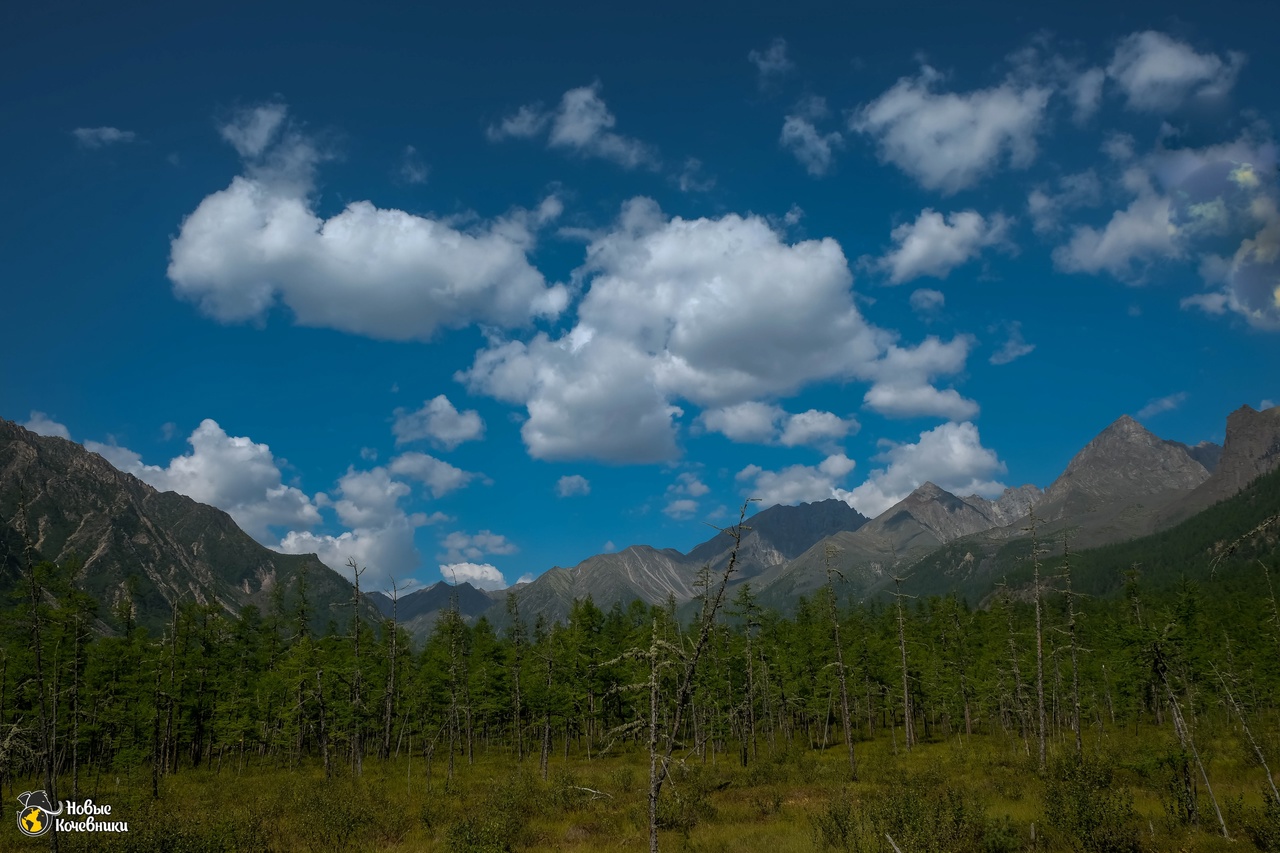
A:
(981, 793)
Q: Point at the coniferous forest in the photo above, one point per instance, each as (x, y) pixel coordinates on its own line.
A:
(1126, 698)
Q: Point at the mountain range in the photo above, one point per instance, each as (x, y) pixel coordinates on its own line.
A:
(150, 550)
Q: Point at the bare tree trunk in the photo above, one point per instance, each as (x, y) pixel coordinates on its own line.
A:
(357, 705)
(1185, 736)
(908, 720)
(1040, 707)
(660, 760)
(324, 731)
(1075, 664)
(388, 706)
(845, 719)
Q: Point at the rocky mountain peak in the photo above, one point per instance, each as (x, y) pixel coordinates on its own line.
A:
(929, 491)
(1122, 462)
(932, 509)
(1014, 503)
(1251, 448)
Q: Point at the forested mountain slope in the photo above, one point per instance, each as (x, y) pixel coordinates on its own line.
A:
(137, 547)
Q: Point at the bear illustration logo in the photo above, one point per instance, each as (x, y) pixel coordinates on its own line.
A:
(35, 818)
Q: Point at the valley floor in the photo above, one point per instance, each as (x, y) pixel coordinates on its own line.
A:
(980, 793)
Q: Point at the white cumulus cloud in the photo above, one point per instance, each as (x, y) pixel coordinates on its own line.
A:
(438, 476)
(439, 421)
(460, 545)
(949, 141)
(710, 311)
(764, 423)
(797, 483)
(1158, 73)
(950, 456)
(373, 271)
(1134, 238)
(904, 380)
(934, 245)
(233, 473)
(479, 575)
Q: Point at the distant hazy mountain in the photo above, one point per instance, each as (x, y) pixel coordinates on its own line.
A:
(915, 526)
(418, 611)
(777, 534)
(152, 549)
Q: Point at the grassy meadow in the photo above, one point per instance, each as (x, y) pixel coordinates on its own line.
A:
(979, 793)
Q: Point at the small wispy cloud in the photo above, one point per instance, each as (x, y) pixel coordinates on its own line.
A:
(97, 137)
(1014, 348)
(1162, 404)
(412, 170)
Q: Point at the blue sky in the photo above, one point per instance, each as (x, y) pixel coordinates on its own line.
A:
(496, 287)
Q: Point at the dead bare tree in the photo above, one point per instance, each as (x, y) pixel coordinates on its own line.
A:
(833, 613)
(357, 707)
(1043, 726)
(663, 740)
(388, 704)
(908, 717)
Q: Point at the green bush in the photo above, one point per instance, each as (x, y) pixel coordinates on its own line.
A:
(1086, 811)
(835, 827)
(924, 815)
(1261, 825)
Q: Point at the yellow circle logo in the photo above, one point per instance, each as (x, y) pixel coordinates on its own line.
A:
(35, 818)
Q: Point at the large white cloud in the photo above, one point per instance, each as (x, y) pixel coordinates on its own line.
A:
(233, 473)
(934, 245)
(378, 272)
(439, 421)
(797, 483)
(950, 456)
(583, 124)
(1157, 73)
(949, 141)
(713, 312)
